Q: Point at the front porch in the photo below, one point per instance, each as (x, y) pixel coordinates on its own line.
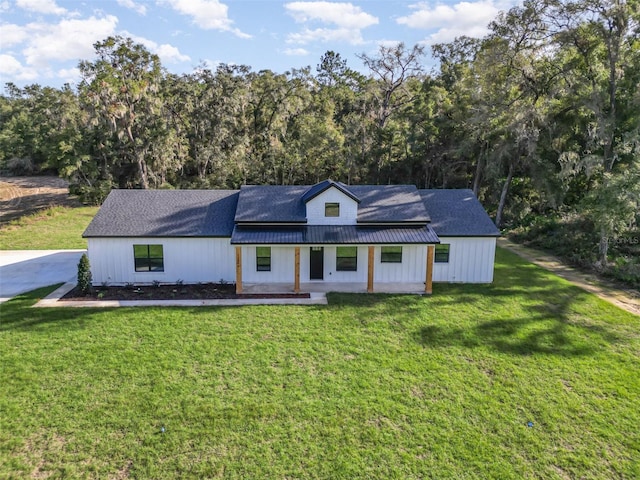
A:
(306, 283)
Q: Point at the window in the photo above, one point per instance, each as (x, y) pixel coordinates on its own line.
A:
(263, 259)
(442, 253)
(148, 258)
(391, 255)
(331, 209)
(347, 259)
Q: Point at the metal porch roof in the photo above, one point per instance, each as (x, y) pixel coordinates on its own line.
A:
(332, 234)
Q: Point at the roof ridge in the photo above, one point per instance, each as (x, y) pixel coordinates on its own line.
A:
(320, 187)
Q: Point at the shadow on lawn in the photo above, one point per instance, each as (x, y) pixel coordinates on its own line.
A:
(525, 311)
(543, 328)
(16, 314)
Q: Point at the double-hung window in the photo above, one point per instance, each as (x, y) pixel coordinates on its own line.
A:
(347, 259)
(263, 259)
(391, 254)
(442, 253)
(148, 258)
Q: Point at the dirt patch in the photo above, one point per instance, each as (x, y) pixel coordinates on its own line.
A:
(20, 196)
(203, 291)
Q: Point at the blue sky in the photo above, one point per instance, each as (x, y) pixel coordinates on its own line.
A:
(41, 41)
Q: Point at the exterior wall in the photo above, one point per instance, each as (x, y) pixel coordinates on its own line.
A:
(470, 260)
(196, 260)
(412, 269)
(348, 209)
(282, 266)
(191, 260)
(330, 272)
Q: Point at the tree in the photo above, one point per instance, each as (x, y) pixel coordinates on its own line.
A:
(208, 112)
(84, 274)
(122, 89)
(599, 44)
(392, 68)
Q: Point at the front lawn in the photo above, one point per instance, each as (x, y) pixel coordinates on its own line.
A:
(52, 229)
(371, 386)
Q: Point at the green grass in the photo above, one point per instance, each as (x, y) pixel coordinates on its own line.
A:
(371, 386)
(51, 229)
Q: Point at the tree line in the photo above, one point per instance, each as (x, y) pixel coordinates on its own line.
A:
(541, 118)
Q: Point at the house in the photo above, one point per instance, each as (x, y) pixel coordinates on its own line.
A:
(329, 236)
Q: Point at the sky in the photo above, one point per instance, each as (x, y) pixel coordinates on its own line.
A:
(42, 41)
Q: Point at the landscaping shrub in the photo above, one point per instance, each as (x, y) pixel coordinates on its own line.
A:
(84, 274)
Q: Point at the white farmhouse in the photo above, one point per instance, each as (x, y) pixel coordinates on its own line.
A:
(325, 237)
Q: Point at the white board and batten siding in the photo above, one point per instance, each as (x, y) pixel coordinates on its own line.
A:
(282, 266)
(470, 260)
(191, 260)
(412, 269)
(330, 273)
(348, 209)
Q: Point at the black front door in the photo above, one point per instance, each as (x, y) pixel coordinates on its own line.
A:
(316, 263)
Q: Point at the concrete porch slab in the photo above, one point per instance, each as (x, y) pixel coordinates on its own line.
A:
(325, 287)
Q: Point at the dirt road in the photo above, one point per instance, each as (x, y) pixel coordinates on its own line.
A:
(626, 299)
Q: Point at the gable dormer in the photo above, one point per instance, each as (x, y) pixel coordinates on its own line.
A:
(330, 203)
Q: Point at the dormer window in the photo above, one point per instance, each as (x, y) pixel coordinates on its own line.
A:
(331, 209)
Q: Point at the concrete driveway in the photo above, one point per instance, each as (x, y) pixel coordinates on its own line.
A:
(25, 270)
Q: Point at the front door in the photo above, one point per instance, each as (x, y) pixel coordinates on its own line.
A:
(316, 263)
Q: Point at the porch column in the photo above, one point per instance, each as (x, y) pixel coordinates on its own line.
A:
(238, 269)
(370, 272)
(296, 281)
(428, 284)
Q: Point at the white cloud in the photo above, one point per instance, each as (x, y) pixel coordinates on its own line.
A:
(13, 35)
(207, 14)
(67, 40)
(42, 45)
(344, 15)
(451, 21)
(48, 7)
(354, 37)
(69, 75)
(136, 7)
(296, 52)
(388, 43)
(167, 53)
(13, 70)
(343, 22)
(4, 6)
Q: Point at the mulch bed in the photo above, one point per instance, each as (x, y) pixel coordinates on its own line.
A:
(201, 291)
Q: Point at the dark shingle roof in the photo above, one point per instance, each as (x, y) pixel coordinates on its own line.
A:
(165, 213)
(332, 235)
(457, 213)
(389, 203)
(285, 204)
(271, 203)
(200, 213)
